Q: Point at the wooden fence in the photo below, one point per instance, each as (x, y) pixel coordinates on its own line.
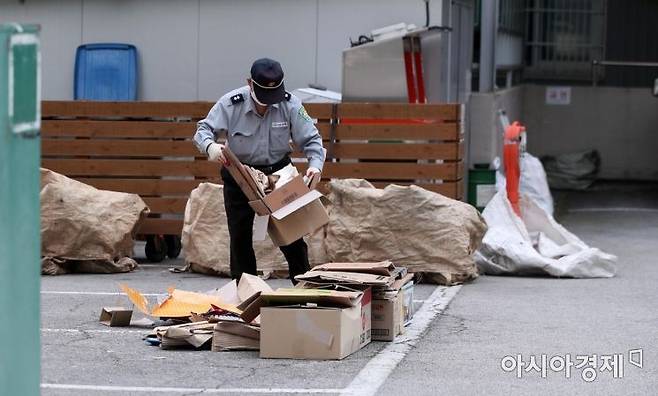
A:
(146, 148)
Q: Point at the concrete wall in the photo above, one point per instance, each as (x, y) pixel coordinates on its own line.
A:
(485, 132)
(199, 49)
(621, 123)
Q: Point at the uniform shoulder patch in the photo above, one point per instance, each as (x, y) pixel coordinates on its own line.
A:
(303, 114)
(237, 98)
(288, 96)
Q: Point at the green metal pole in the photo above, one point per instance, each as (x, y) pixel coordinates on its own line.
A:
(20, 241)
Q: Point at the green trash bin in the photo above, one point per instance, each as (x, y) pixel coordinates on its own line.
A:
(20, 242)
(481, 185)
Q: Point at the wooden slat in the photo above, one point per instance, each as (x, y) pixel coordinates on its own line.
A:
(153, 226)
(383, 151)
(445, 112)
(319, 110)
(166, 205)
(119, 148)
(438, 131)
(146, 187)
(390, 171)
(366, 170)
(117, 129)
(124, 167)
(125, 109)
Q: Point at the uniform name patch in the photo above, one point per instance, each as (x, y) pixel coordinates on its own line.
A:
(282, 124)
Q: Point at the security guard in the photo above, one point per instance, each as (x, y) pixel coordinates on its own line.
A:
(258, 121)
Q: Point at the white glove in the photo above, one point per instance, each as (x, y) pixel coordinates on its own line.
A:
(215, 152)
(311, 171)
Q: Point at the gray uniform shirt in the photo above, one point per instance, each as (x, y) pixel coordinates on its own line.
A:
(256, 139)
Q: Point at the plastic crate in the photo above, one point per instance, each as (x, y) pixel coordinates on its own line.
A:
(105, 71)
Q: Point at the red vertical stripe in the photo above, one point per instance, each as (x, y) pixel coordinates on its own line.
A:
(409, 70)
(418, 60)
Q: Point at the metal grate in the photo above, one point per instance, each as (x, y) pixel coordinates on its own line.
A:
(563, 37)
(511, 16)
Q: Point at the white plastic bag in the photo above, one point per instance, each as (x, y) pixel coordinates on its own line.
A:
(535, 244)
(533, 182)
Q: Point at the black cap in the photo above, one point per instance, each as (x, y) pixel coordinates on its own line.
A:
(267, 79)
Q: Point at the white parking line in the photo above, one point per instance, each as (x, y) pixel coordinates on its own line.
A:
(614, 209)
(158, 389)
(377, 370)
(90, 293)
(91, 331)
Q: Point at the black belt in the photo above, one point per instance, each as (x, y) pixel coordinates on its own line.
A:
(269, 169)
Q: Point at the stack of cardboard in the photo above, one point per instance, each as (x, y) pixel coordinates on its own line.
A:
(335, 310)
(291, 210)
(392, 291)
(204, 320)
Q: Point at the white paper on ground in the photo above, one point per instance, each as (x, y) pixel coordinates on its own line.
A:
(536, 244)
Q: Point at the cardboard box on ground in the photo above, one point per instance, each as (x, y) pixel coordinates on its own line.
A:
(392, 291)
(335, 311)
(301, 323)
(293, 208)
(205, 238)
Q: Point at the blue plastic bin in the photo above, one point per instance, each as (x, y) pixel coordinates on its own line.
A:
(105, 71)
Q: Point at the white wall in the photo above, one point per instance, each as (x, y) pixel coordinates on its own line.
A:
(621, 123)
(199, 49)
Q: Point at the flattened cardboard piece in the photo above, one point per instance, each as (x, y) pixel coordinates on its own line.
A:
(182, 303)
(232, 336)
(385, 268)
(115, 316)
(346, 277)
(294, 296)
(240, 175)
(399, 283)
(315, 333)
(196, 334)
(137, 299)
(178, 304)
(250, 285)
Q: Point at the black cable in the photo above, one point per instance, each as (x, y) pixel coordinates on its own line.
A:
(427, 13)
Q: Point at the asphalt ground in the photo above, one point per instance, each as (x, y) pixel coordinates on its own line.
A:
(455, 349)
